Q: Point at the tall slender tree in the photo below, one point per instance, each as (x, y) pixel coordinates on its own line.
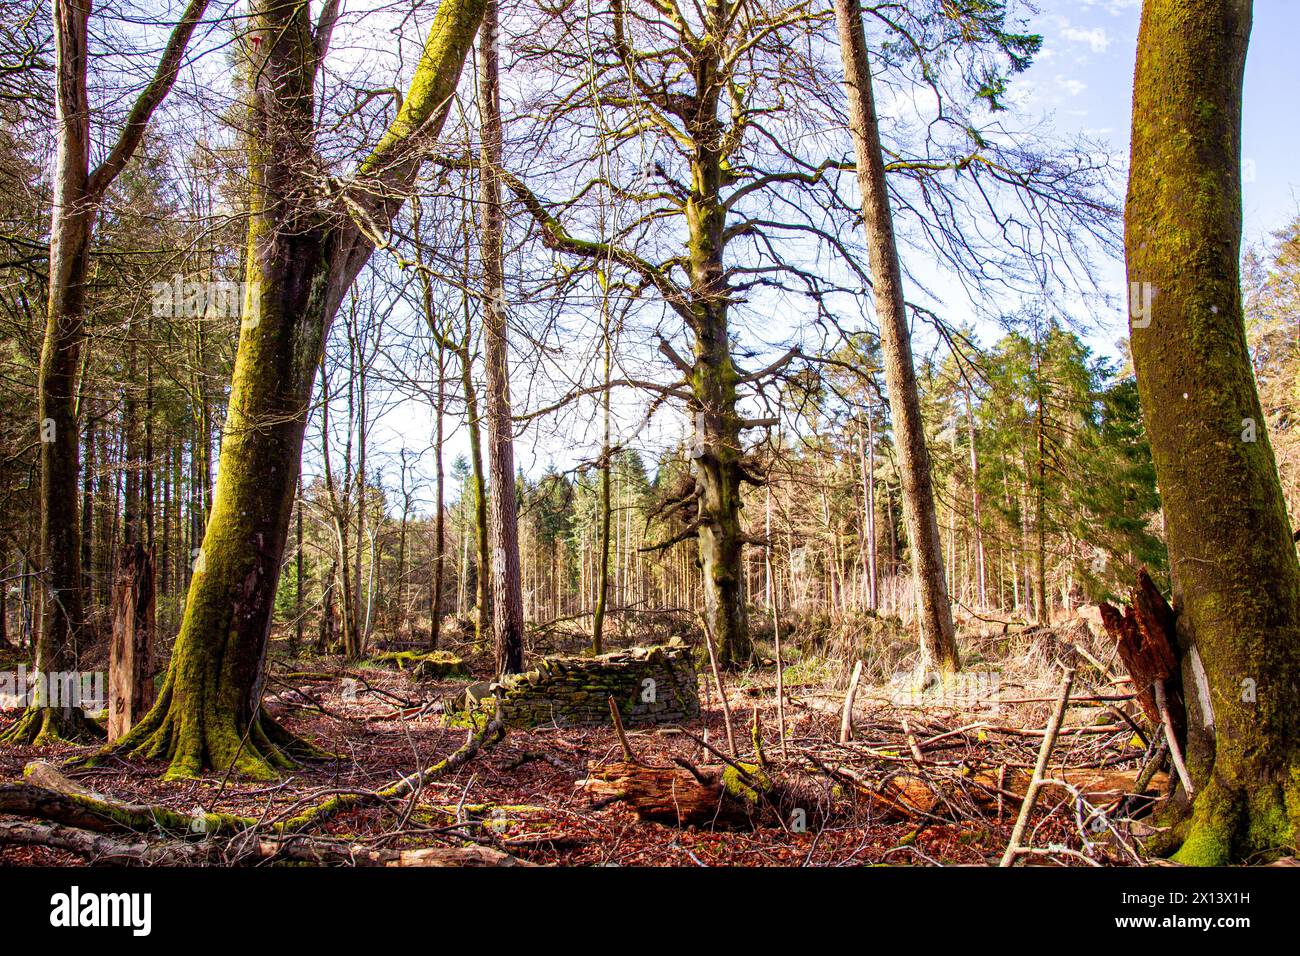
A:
(77, 193)
(507, 588)
(938, 636)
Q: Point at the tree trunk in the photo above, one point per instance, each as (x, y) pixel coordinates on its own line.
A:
(77, 192)
(299, 267)
(1042, 613)
(4, 608)
(88, 511)
(606, 466)
(507, 593)
(976, 506)
(938, 639)
(298, 578)
(440, 512)
(483, 584)
(869, 513)
(60, 548)
(714, 379)
(1236, 578)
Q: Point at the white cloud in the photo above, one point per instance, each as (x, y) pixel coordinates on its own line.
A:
(1071, 86)
(1097, 38)
(1113, 7)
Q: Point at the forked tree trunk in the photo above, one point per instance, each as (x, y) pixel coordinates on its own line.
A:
(64, 609)
(1236, 578)
(299, 267)
(507, 589)
(938, 639)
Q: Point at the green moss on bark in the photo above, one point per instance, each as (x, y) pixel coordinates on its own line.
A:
(1236, 577)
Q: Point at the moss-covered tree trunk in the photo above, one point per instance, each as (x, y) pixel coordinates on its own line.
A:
(717, 455)
(1236, 578)
(299, 265)
(60, 546)
(938, 639)
(703, 301)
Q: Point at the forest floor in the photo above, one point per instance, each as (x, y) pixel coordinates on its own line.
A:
(923, 782)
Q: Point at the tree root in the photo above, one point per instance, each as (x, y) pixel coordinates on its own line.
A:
(80, 817)
(1228, 825)
(43, 726)
(194, 742)
(1238, 825)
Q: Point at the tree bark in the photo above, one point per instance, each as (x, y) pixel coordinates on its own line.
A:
(938, 638)
(299, 267)
(440, 514)
(507, 593)
(478, 481)
(1234, 568)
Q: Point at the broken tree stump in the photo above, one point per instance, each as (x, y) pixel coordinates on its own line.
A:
(130, 667)
(1147, 642)
(1144, 632)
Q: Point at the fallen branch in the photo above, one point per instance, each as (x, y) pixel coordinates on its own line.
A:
(104, 848)
(846, 716)
(1040, 768)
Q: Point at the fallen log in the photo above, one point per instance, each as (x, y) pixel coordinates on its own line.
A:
(683, 795)
(49, 795)
(107, 849)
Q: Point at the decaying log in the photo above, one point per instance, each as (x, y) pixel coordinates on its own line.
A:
(913, 795)
(49, 795)
(683, 795)
(77, 817)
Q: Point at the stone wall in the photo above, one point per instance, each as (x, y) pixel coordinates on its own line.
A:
(651, 685)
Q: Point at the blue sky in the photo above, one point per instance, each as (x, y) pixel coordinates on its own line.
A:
(1084, 77)
(1082, 82)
